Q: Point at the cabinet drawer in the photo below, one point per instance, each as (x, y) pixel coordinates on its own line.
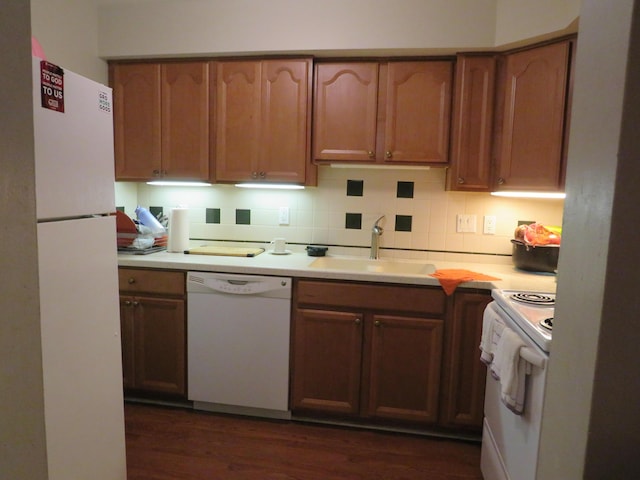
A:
(163, 282)
(423, 300)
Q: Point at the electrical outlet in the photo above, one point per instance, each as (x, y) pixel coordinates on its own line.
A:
(489, 225)
(283, 215)
(465, 223)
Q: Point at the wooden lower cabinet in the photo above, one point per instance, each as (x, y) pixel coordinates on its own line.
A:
(464, 375)
(404, 374)
(377, 359)
(327, 359)
(153, 325)
(388, 354)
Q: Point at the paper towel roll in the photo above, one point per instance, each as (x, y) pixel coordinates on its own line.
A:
(178, 230)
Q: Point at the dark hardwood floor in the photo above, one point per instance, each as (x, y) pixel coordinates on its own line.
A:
(173, 443)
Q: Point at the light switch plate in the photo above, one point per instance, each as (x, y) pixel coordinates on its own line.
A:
(465, 223)
(283, 216)
(489, 225)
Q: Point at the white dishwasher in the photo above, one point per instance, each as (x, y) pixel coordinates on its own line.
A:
(238, 343)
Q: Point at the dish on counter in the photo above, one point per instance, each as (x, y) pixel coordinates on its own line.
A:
(285, 252)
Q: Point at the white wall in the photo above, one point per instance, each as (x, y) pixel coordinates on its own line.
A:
(203, 27)
(67, 31)
(206, 27)
(591, 426)
(22, 434)
(523, 19)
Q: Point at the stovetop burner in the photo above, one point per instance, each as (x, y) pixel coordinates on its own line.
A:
(547, 323)
(534, 299)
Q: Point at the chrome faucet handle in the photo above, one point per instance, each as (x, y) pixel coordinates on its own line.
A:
(377, 229)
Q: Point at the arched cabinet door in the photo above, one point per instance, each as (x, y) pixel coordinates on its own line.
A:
(161, 120)
(533, 100)
(345, 111)
(262, 121)
(389, 112)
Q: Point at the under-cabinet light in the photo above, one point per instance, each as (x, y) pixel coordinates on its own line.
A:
(277, 186)
(163, 183)
(372, 166)
(550, 195)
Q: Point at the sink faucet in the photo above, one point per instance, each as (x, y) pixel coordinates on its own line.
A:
(376, 232)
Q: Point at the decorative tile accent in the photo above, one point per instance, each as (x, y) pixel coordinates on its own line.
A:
(353, 221)
(404, 190)
(355, 188)
(212, 215)
(243, 217)
(156, 211)
(403, 223)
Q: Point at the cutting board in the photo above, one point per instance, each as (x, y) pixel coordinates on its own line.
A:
(226, 251)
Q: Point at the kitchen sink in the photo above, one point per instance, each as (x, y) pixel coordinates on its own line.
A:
(365, 265)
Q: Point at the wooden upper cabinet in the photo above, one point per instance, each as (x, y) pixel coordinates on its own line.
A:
(286, 120)
(472, 124)
(374, 112)
(418, 110)
(345, 111)
(185, 120)
(262, 121)
(531, 118)
(237, 119)
(161, 120)
(136, 116)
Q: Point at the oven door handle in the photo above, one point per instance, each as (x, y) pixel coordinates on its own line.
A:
(531, 357)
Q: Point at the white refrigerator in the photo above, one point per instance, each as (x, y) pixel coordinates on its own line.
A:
(80, 318)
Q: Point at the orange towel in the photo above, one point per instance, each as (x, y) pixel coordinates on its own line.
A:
(452, 277)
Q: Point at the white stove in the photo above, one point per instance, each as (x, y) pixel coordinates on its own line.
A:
(531, 311)
(510, 441)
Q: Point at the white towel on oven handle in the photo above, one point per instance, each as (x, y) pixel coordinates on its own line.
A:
(510, 369)
(491, 331)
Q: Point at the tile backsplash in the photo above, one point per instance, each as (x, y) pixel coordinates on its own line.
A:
(420, 216)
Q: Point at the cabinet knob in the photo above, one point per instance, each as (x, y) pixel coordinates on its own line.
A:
(127, 303)
(131, 280)
(460, 180)
(357, 321)
(263, 174)
(377, 323)
(388, 154)
(156, 173)
(136, 303)
(254, 175)
(500, 181)
(371, 154)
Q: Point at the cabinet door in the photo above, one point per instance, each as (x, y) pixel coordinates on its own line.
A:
(532, 119)
(464, 374)
(345, 111)
(405, 368)
(185, 120)
(237, 120)
(472, 124)
(160, 345)
(327, 349)
(136, 116)
(418, 106)
(127, 336)
(285, 120)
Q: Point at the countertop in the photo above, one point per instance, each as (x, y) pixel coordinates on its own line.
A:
(298, 265)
